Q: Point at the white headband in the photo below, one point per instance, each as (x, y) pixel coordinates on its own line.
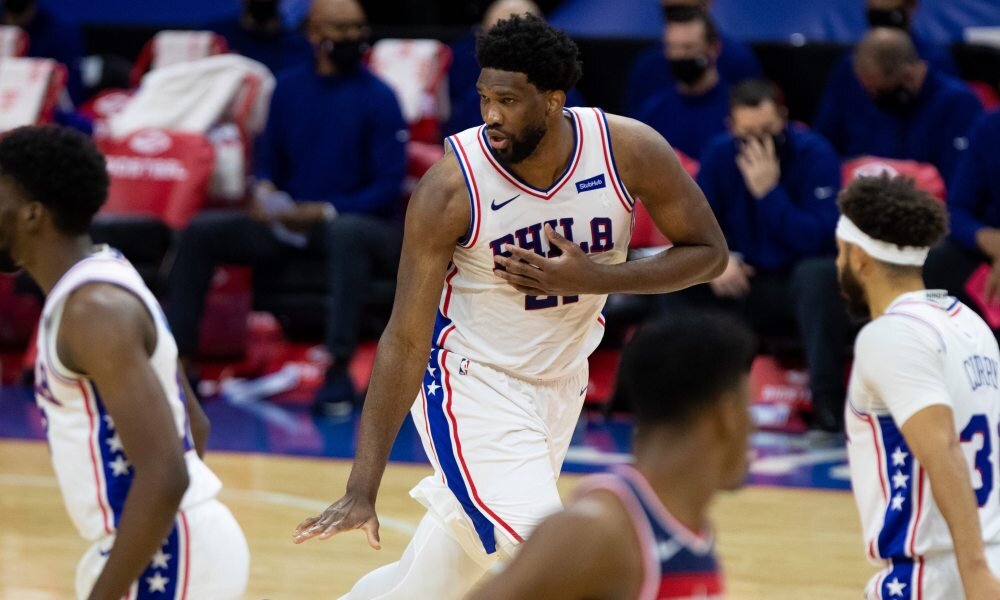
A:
(879, 250)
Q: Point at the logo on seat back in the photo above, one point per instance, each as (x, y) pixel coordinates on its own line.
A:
(594, 183)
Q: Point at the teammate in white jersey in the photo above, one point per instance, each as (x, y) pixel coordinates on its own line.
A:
(508, 365)
(124, 436)
(923, 404)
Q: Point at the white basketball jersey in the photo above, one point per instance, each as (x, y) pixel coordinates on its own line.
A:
(927, 349)
(484, 319)
(90, 462)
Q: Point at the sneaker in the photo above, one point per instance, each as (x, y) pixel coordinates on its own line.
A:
(337, 396)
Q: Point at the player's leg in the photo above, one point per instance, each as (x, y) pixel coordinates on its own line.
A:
(204, 556)
(218, 558)
(434, 565)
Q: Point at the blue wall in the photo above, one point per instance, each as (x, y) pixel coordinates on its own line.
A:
(778, 20)
(158, 12)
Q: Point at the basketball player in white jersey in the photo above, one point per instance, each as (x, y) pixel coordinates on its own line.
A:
(923, 405)
(124, 436)
(498, 401)
(642, 532)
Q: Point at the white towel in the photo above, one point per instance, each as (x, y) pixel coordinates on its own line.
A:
(193, 96)
(24, 84)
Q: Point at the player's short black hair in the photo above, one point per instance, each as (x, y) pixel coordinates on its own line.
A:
(692, 14)
(676, 367)
(752, 93)
(892, 209)
(60, 168)
(527, 44)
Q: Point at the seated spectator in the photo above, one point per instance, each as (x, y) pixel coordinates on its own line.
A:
(651, 73)
(909, 109)
(974, 212)
(330, 168)
(773, 189)
(693, 108)
(49, 36)
(464, 70)
(898, 14)
(259, 33)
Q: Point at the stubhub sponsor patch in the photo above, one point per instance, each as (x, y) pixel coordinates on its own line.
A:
(594, 183)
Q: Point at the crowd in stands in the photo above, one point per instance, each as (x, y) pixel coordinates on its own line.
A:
(331, 161)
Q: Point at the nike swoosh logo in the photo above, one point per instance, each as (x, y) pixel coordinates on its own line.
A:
(496, 206)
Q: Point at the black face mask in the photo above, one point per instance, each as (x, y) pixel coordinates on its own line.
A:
(680, 13)
(262, 12)
(689, 70)
(18, 7)
(896, 101)
(895, 17)
(345, 55)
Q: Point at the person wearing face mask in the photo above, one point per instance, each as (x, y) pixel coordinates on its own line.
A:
(50, 36)
(651, 73)
(260, 33)
(694, 107)
(773, 186)
(329, 167)
(908, 109)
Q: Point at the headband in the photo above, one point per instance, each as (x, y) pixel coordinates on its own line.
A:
(884, 251)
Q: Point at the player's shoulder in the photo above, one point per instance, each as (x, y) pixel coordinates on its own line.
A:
(102, 303)
(440, 202)
(900, 330)
(636, 143)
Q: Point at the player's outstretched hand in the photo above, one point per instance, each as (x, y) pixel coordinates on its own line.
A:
(348, 513)
(568, 274)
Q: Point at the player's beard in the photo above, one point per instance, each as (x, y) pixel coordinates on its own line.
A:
(522, 146)
(854, 294)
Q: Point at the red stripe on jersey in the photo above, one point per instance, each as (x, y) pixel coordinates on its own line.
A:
(920, 505)
(186, 538)
(461, 459)
(92, 434)
(447, 291)
(477, 218)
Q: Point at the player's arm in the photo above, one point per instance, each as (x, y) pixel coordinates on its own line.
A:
(586, 551)
(108, 334)
(903, 362)
(651, 172)
(197, 419)
(930, 434)
(438, 216)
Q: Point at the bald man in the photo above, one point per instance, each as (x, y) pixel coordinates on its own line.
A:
(908, 110)
(330, 167)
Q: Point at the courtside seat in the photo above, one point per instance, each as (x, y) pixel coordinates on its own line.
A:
(924, 175)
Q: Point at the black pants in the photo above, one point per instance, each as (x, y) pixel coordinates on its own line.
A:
(355, 247)
(805, 302)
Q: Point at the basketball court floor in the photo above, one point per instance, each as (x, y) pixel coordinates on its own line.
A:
(793, 532)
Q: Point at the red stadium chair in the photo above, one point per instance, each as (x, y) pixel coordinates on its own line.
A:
(13, 41)
(172, 47)
(29, 91)
(159, 174)
(417, 71)
(926, 176)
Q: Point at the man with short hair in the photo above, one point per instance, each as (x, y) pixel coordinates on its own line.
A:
(125, 434)
(693, 109)
(923, 404)
(908, 110)
(513, 241)
(651, 73)
(686, 379)
(772, 186)
(330, 167)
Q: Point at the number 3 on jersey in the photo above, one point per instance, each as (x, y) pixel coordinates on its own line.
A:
(979, 426)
